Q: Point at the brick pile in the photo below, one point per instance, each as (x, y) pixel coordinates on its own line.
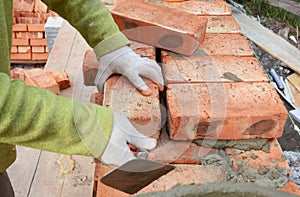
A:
(28, 38)
(223, 115)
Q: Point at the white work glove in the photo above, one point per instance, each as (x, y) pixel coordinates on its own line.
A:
(126, 62)
(117, 151)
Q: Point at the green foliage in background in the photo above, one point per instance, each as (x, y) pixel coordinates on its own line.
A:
(263, 9)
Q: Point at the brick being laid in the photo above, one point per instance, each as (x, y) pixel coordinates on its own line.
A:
(215, 7)
(143, 111)
(224, 111)
(151, 24)
(203, 68)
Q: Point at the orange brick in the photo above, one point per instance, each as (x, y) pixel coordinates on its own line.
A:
(39, 56)
(211, 69)
(224, 111)
(37, 77)
(143, 111)
(19, 27)
(178, 152)
(13, 35)
(292, 188)
(89, 67)
(36, 27)
(38, 42)
(226, 44)
(20, 56)
(137, 21)
(14, 49)
(97, 98)
(216, 7)
(39, 35)
(20, 42)
(38, 49)
(222, 24)
(61, 78)
(181, 175)
(23, 6)
(24, 49)
(17, 73)
(40, 7)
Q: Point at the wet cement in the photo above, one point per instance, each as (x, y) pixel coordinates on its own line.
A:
(246, 145)
(219, 190)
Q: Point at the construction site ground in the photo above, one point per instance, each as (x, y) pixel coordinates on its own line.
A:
(49, 174)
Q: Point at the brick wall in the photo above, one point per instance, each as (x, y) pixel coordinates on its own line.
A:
(29, 42)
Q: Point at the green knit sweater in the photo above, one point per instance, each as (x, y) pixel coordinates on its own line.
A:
(37, 118)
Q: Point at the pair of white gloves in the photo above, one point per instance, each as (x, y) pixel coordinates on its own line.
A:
(126, 62)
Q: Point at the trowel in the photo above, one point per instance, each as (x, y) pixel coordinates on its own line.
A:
(136, 174)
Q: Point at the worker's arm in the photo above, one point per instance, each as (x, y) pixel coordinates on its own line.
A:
(93, 20)
(95, 23)
(37, 118)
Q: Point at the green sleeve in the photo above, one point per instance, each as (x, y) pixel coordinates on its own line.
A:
(93, 20)
(37, 118)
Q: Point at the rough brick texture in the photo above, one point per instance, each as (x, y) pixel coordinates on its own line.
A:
(90, 62)
(194, 69)
(226, 44)
(143, 111)
(215, 7)
(221, 24)
(224, 111)
(36, 77)
(138, 22)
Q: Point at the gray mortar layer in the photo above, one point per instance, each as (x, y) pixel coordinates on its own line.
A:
(243, 182)
(247, 144)
(219, 190)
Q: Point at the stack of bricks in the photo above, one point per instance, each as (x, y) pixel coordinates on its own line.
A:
(28, 38)
(223, 115)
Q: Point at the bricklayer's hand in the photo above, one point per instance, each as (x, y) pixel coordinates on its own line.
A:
(117, 151)
(126, 62)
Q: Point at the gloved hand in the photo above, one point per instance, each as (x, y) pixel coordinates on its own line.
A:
(117, 150)
(126, 62)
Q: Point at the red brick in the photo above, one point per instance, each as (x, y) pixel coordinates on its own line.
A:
(226, 44)
(20, 42)
(61, 78)
(26, 14)
(37, 77)
(38, 49)
(178, 152)
(23, 5)
(25, 20)
(20, 56)
(138, 22)
(36, 27)
(143, 111)
(224, 111)
(19, 27)
(39, 35)
(216, 7)
(13, 35)
(17, 73)
(90, 66)
(292, 188)
(181, 175)
(211, 69)
(14, 49)
(38, 42)
(97, 98)
(260, 159)
(222, 24)
(39, 56)
(24, 49)
(40, 7)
